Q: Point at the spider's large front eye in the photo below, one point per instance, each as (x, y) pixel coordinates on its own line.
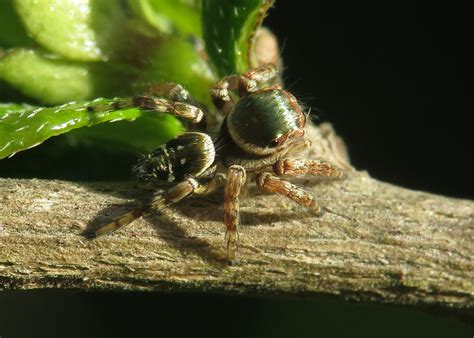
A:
(261, 122)
(273, 143)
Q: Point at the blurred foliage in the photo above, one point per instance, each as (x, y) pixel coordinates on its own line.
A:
(61, 55)
(24, 126)
(170, 16)
(228, 29)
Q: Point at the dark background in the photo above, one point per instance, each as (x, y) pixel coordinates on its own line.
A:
(397, 83)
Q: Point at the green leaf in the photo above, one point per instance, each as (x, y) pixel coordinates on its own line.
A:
(170, 16)
(81, 30)
(12, 32)
(24, 126)
(228, 30)
(54, 81)
(178, 61)
(143, 135)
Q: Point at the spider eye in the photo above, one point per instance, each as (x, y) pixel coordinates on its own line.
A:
(273, 144)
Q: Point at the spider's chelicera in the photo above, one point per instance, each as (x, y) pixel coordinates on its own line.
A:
(261, 127)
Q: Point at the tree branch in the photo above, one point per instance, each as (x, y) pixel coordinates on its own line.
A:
(377, 241)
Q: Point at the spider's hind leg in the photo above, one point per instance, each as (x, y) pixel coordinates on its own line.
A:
(175, 194)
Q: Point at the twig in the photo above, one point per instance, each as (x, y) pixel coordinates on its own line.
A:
(376, 241)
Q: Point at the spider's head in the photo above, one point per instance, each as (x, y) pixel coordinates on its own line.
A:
(266, 121)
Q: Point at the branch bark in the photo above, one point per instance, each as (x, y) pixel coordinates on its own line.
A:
(378, 242)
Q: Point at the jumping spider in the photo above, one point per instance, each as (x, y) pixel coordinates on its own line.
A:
(259, 130)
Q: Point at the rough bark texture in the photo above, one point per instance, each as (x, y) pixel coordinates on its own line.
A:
(378, 241)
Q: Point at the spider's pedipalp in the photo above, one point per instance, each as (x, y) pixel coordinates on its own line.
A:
(262, 73)
(244, 84)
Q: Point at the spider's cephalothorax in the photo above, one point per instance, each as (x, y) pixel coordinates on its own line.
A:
(261, 123)
(261, 127)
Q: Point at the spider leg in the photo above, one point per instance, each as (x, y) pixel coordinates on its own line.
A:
(236, 178)
(296, 167)
(275, 184)
(245, 83)
(175, 194)
(171, 91)
(262, 73)
(182, 110)
(215, 183)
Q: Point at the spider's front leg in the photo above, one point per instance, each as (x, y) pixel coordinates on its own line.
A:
(162, 98)
(297, 167)
(245, 83)
(274, 184)
(182, 110)
(172, 91)
(236, 178)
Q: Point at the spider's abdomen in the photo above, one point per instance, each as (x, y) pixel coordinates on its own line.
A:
(187, 155)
